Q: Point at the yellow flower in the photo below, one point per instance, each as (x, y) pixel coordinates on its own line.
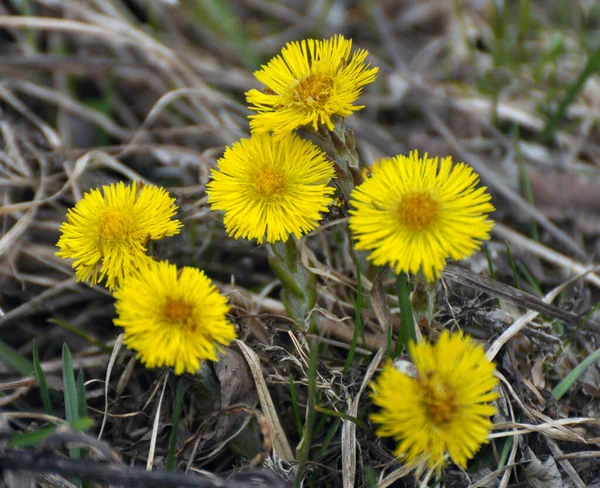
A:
(271, 187)
(444, 408)
(309, 83)
(173, 318)
(414, 213)
(107, 232)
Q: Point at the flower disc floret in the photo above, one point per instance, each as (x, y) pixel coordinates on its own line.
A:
(444, 409)
(415, 213)
(307, 84)
(173, 317)
(107, 231)
(270, 188)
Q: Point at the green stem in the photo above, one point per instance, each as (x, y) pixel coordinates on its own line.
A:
(357, 321)
(299, 286)
(177, 404)
(303, 449)
(340, 146)
(423, 299)
(407, 327)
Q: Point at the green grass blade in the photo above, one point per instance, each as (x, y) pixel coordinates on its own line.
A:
(41, 377)
(71, 395)
(407, 327)
(491, 269)
(555, 48)
(530, 279)
(370, 477)
(219, 17)
(28, 439)
(82, 413)
(490, 263)
(523, 27)
(591, 67)
(562, 388)
(505, 452)
(295, 406)
(357, 320)
(588, 315)
(344, 416)
(15, 359)
(31, 439)
(177, 404)
(329, 436)
(499, 27)
(80, 333)
(525, 184)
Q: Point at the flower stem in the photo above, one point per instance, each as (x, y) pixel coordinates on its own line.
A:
(299, 286)
(407, 326)
(423, 300)
(340, 146)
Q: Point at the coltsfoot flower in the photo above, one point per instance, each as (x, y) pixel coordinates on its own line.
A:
(107, 231)
(309, 83)
(444, 409)
(271, 188)
(173, 317)
(414, 213)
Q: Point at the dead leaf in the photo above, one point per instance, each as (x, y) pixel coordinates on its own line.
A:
(542, 474)
(280, 442)
(237, 386)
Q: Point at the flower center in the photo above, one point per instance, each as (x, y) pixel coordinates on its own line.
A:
(417, 210)
(116, 224)
(269, 181)
(438, 401)
(177, 311)
(314, 89)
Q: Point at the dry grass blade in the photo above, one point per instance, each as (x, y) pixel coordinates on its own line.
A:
(349, 428)
(506, 292)
(494, 182)
(280, 442)
(111, 363)
(98, 91)
(393, 477)
(156, 424)
(547, 254)
(565, 464)
(518, 325)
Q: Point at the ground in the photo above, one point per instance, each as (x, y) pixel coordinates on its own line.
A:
(95, 92)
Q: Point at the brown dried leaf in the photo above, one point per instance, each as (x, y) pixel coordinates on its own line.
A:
(237, 386)
(542, 474)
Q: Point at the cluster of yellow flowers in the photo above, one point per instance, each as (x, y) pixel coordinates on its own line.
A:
(410, 213)
(170, 317)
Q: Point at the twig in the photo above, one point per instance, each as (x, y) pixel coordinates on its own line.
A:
(506, 292)
(105, 473)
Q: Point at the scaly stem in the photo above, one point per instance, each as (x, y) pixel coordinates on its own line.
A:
(340, 146)
(423, 299)
(299, 286)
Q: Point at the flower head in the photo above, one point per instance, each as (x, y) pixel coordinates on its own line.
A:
(271, 187)
(444, 408)
(173, 317)
(309, 83)
(107, 231)
(415, 213)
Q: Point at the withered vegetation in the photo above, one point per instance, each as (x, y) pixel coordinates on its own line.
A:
(97, 91)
